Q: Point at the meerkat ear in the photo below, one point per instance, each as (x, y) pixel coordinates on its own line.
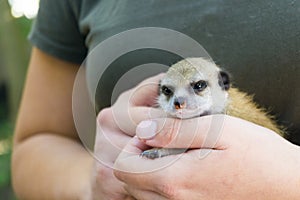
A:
(224, 80)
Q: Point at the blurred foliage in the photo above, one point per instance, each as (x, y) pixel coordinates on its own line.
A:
(5, 149)
(6, 129)
(14, 55)
(5, 170)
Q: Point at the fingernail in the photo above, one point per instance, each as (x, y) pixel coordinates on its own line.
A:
(146, 129)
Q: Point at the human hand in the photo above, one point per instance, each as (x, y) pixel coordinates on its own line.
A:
(115, 127)
(229, 159)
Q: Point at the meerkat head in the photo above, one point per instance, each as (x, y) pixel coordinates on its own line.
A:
(193, 87)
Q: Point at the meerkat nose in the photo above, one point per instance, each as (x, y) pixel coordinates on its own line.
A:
(179, 103)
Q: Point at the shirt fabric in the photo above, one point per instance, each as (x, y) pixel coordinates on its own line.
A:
(258, 42)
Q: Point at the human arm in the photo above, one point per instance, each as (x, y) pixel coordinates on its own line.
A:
(242, 161)
(48, 160)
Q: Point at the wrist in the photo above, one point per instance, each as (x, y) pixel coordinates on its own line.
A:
(276, 175)
(289, 185)
(295, 174)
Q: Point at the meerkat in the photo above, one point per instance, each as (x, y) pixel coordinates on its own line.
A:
(196, 87)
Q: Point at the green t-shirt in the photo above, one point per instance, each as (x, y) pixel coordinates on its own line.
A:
(257, 42)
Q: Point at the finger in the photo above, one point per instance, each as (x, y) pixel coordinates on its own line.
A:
(201, 132)
(110, 140)
(108, 145)
(143, 194)
(104, 183)
(135, 105)
(144, 94)
(129, 198)
(165, 176)
(130, 164)
(127, 119)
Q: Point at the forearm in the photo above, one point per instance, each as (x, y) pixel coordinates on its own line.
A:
(48, 166)
(292, 185)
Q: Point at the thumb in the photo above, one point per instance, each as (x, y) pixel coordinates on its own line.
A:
(200, 132)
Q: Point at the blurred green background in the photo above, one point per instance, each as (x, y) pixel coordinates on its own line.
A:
(14, 56)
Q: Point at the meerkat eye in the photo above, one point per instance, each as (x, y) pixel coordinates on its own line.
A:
(199, 86)
(166, 91)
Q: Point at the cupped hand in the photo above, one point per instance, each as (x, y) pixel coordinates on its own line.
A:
(229, 158)
(115, 127)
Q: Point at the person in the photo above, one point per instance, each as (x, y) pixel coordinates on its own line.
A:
(255, 41)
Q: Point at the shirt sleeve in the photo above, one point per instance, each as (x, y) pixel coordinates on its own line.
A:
(56, 30)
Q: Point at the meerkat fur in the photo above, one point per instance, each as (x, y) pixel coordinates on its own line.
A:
(195, 87)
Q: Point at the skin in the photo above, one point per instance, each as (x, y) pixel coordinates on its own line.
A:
(115, 127)
(49, 161)
(47, 154)
(246, 162)
(248, 157)
(242, 161)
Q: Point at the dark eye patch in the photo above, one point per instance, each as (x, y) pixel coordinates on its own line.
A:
(166, 90)
(199, 86)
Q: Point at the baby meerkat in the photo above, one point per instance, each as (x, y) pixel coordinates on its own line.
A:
(195, 87)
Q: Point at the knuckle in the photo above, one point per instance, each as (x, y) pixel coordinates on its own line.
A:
(104, 116)
(168, 190)
(124, 96)
(102, 173)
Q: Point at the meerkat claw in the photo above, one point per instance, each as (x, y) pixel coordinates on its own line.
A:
(151, 154)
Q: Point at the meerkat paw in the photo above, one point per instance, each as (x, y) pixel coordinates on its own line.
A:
(161, 152)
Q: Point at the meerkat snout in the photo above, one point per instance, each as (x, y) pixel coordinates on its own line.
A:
(179, 103)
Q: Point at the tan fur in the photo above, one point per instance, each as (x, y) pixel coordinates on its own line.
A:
(241, 105)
